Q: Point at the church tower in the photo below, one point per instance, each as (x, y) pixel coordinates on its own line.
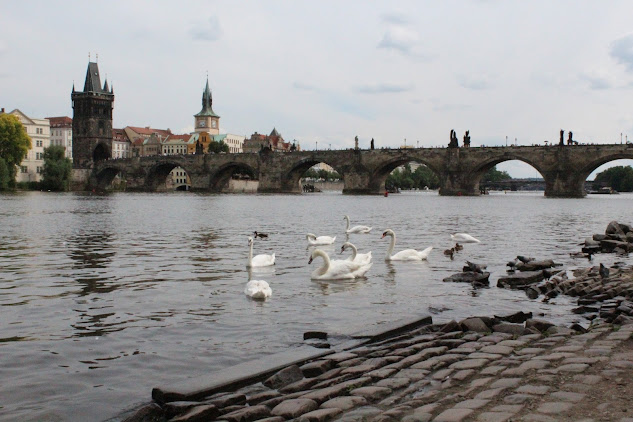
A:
(207, 120)
(92, 120)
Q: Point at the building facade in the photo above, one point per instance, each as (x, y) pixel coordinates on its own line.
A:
(273, 142)
(235, 142)
(92, 120)
(62, 133)
(39, 130)
(120, 144)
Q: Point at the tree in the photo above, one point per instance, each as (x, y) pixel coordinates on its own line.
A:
(619, 178)
(57, 169)
(4, 175)
(218, 146)
(14, 144)
(494, 175)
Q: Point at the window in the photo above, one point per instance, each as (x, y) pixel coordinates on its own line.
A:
(24, 169)
(38, 143)
(39, 155)
(39, 170)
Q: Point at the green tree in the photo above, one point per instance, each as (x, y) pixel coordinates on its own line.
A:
(218, 146)
(14, 144)
(619, 178)
(4, 175)
(494, 175)
(57, 169)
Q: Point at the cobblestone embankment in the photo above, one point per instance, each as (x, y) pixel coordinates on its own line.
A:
(480, 369)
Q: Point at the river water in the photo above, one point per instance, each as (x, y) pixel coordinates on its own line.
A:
(104, 297)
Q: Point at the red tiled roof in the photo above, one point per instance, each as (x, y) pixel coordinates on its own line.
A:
(149, 131)
(63, 121)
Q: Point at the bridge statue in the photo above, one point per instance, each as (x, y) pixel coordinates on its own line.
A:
(356, 142)
(570, 141)
(453, 143)
(467, 139)
(562, 134)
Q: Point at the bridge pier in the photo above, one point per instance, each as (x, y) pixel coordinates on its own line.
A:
(455, 183)
(559, 184)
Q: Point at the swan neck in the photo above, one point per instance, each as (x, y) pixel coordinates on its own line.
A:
(250, 253)
(392, 244)
(326, 261)
(354, 251)
(347, 219)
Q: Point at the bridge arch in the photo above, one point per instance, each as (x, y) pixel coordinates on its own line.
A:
(219, 179)
(292, 178)
(105, 176)
(594, 164)
(157, 174)
(101, 153)
(380, 174)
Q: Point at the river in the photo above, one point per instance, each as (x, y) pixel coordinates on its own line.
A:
(104, 297)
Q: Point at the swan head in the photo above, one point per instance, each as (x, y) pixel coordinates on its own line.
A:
(310, 236)
(345, 245)
(315, 253)
(388, 232)
(346, 217)
(250, 241)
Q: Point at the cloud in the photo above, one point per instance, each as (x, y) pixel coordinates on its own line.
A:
(208, 31)
(399, 38)
(304, 87)
(384, 88)
(474, 82)
(395, 18)
(622, 51)
(595, 82)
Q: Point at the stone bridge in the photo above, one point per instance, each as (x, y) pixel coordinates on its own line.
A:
(564, 168)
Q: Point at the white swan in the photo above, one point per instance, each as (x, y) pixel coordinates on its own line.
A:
(337, 269)
(464, 238)
(361, 258)
(313, 240)
(405, 255)
(262, 260)
(258, 289)
(356, 229)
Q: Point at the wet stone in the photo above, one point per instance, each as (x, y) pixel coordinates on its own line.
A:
(529, 351)
(568, 396)
(482, 355)
(505, 383)
(471, 404)
(371, 393)
(495, 416)
(497, 350)
(316, 368)
(361, 414)
(260, 397)
(394, 383)
(300, 385)
(345, 402)
(453, 415)
(319, 415)
(342, 356)
(517, 398)
(511, 408)
(573, 367)
(381, 373)
(284, 377)
(294, 407)
(554, 407)
(469, 364)
(492, 370)
(249, 413)
(351, 362)
(199, 413)
(412, 374)
(533, 389)
(463, 374)
(442, 373)
(489, 394)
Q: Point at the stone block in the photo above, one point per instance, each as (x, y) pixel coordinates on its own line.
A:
(294, 408)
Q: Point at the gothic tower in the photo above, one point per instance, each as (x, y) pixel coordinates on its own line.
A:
(92, 120)
(207, 120)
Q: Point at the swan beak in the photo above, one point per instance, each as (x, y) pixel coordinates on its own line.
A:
(310, 260)
(383, 236)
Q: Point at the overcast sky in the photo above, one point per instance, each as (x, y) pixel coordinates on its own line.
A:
(326, 71)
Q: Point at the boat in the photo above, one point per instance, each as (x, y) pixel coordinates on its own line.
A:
(606, 190)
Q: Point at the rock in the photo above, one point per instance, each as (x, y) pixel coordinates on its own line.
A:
(514, 329)
(226, 400)
(516, 318)
(474, 324)
(599, 237)
(319, 415)
(469, 277)
(536, 265)
(450, 327)
(198, 414)
(521, 279)
(179, 407)
(263, 396)
(315, 334)
(538, 324)
(284, 377)
(610, 245)
(150, 412)
(578, 328)
(316, 368)
(558, 330)
(614, 228)
(249, 413)
(592, 243)
(294, 408)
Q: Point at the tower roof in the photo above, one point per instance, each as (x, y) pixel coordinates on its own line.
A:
(93, 81)
(207, 103)
(275, 133)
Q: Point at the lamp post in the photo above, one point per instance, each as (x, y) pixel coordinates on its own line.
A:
(330, 146)
(506, 140)
(405, 143)
(316, 145)
(418, 144)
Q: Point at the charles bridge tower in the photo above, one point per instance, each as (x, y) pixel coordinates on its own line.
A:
(92, 120)
(206, 120)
